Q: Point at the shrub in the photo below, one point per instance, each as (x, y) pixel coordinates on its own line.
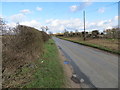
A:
(45, 36)
(24, 47)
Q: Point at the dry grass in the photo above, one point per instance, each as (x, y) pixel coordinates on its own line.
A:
(107, 43)
(112, 44)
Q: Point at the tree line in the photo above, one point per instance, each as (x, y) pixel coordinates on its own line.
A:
(108, 33)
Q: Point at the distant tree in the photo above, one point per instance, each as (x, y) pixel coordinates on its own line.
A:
(17, 23)
(95, 33)
(44, 28)
(112, 33)
(50, 32)
(86, 33)
(66, 33)
(76, 32)
(102, 33)
(65, 30)
(71, 33)
(2, 26)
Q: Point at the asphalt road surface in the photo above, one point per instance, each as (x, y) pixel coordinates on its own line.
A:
(98, 68)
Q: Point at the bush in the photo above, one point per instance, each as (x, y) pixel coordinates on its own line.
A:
(45, 36)
(25, 46)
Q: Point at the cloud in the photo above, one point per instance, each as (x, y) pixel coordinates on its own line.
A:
(1, 16)
(32, 23)
(116, 18)
(12, 24)
(39, 9)
(58, 25)
(101, 10)
(103, 24)
(75, 8)
(25, 11)
(17, 17)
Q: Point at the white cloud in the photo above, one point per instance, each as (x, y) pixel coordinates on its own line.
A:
(103, 24)
(101, 10)
(1, 16)
(32, 23)
(25, 11)
(58, 25)
(109, 27)
(39, 9)
(83, 5)
(17, 17)
(74, 8)
(116, 18)
(12, 24)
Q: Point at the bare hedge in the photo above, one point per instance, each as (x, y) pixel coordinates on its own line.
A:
(24, 46)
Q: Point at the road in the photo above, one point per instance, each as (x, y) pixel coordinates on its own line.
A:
(98, 68)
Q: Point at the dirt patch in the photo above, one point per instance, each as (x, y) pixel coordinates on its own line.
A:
(68, 73)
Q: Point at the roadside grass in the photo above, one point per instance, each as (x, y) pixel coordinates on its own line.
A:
(49, 72)
(98, 46)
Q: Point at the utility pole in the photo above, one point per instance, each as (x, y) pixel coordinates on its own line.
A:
(84, 25)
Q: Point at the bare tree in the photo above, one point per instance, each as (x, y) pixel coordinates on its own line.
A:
(66, 33)
(2, 26)
(95, 33)
(71, 33)
(44, 28)
(76, 32)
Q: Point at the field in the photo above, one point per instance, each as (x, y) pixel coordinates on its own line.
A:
(105, 44)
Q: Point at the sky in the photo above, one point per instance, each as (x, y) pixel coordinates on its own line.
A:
(59, 16)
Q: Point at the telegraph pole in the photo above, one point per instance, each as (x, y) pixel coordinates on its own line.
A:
(84, 25)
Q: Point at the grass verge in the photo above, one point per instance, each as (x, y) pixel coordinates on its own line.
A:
(93, 45)
(49, 72)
